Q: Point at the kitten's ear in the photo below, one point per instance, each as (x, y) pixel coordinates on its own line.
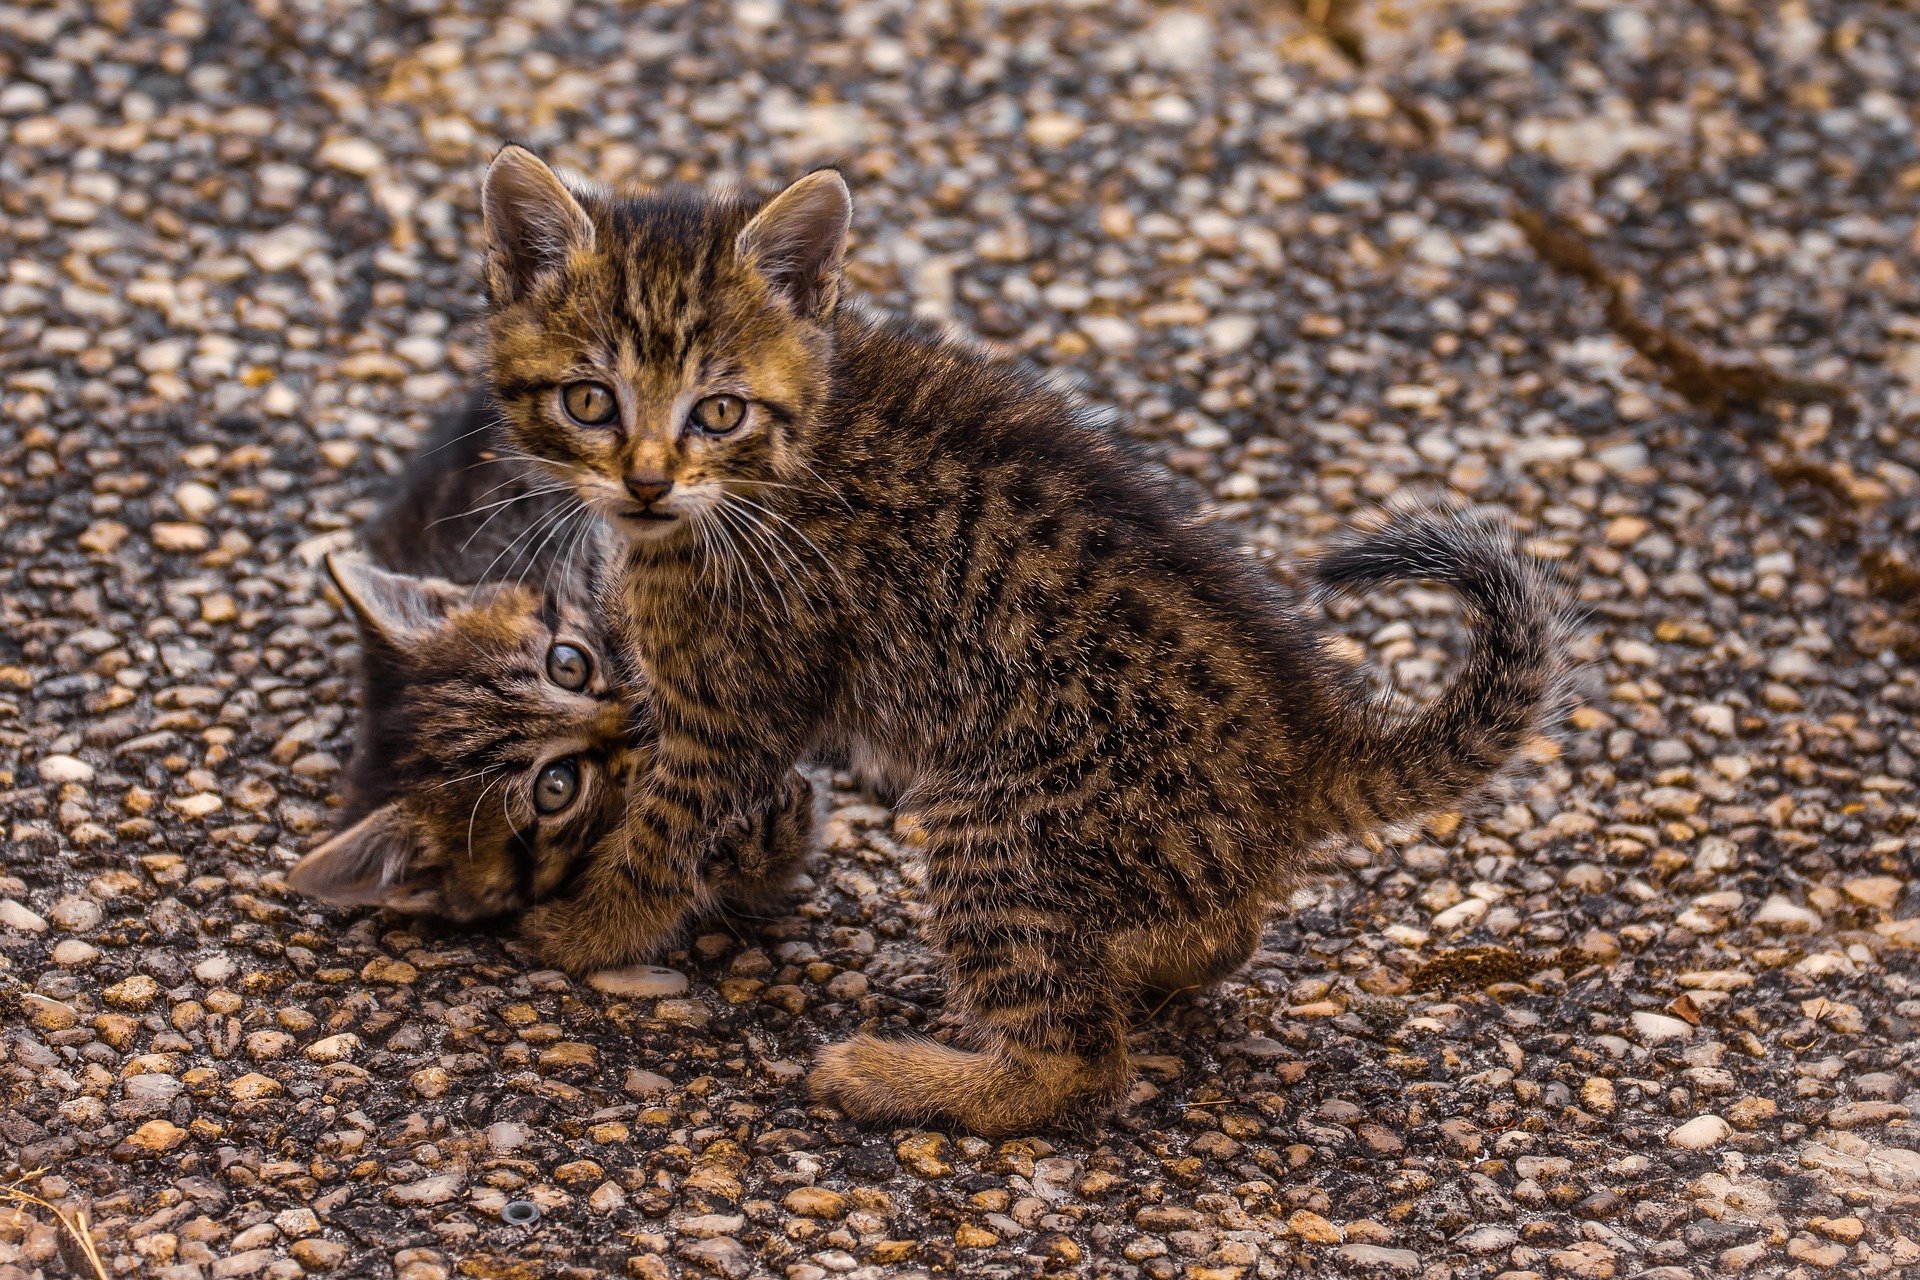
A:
(533, 221)
(392, 606)
(797, 241)
(370, 864)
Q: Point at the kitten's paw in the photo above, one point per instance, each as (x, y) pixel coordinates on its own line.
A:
(859, 1077)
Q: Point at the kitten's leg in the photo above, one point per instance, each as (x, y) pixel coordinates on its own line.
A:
(615, 916)
(647, 882)
(1035, 989)
(753, 869)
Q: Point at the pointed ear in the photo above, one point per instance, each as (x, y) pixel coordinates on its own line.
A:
(799, 239)
(533, 221)
(370, 864)
(392, 606)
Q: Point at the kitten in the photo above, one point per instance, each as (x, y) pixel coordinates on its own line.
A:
(846, 531)
(499, 723)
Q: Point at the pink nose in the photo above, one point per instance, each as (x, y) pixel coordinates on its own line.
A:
(647, 490)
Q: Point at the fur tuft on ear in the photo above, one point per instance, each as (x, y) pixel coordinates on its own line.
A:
(798, 240)
(392, 607)
(370, 864)
(533, 218)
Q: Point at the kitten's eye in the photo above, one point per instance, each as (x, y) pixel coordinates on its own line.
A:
(591, 404)
(569, 667)
(717, 415)
(556, 786)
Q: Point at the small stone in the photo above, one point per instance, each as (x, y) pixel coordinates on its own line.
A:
(334, 1048)
(1878, 892)
(71, 953)
(155, 1138)
(816, 1202)
(178, 538)
(318, 1255)
(1653, 1028)
(645, 1084)
(640, 982)
(721, 1255)
(196, 500)
(427, 1191)
(1700, 1133)
(352, 155)
(1405, 1261)
(16, 917)
(607, 1198)
(1597, 1094)
(58, 768)
(295, 1223)
(136, 992)
(1784, 916)
(253, 1087)
(1846, 1230)
(969, 1236)
(1312, 1228)
(1860, 1115)
(924, 1155)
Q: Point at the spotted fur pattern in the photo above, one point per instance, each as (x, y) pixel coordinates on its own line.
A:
(1122, 740)
(459, 713)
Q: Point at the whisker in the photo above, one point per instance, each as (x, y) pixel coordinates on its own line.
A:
(763, 537)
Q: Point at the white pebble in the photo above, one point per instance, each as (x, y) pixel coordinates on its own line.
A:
(1700, 1132)
(65, 769)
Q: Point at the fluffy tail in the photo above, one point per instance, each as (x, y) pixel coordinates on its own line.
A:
(1380, 768)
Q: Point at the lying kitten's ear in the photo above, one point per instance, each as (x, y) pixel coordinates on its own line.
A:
(369, 865)
(798, 239)
(532, 220)
(392, 606)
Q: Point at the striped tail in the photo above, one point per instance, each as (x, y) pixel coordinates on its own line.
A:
(1380, 768)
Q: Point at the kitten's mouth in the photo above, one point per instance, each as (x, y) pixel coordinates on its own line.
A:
(645, 522)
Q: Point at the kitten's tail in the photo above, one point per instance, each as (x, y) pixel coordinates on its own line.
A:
(1380, 768)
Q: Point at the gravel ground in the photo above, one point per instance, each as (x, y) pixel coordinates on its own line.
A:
(1652, 1015)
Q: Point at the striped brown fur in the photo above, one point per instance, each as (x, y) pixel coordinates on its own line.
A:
(1123, 741)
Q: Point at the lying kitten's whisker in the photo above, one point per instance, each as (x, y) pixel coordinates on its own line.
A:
(466, 777)
(502, 507)
(518, 545)
(476, 810)
(553, 528)
(503, 502)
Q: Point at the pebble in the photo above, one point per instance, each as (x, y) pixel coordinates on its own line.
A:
(17, 917)
(1699, 1133)
(61, 768)
(1378, 1257)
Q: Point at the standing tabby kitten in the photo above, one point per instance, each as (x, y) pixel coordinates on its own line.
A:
(846, 532)
(499, 722)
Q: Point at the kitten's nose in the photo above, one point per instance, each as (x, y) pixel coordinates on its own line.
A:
(647, 490)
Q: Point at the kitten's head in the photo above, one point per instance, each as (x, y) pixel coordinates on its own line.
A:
(495, 739)
(663, 352)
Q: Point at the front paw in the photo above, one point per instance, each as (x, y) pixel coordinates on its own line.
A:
(579, 937)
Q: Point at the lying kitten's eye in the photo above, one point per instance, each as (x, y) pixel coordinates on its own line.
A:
(591, 404)
(717, 415)
(556, 786)
(568, 666)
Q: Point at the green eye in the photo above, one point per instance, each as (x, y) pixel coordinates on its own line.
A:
(717, 415)
(591, 404)
(556, 786)
(568, 667)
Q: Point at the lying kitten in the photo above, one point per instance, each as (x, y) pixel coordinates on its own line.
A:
(847, 531)
(499, 724)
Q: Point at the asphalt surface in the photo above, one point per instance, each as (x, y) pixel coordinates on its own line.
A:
(1647, 275)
